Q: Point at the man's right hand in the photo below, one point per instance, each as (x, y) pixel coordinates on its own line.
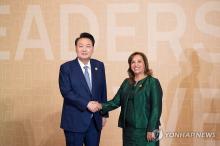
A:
(94, 106)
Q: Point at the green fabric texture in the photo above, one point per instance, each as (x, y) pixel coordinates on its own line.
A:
(141, 107)
(136, 137)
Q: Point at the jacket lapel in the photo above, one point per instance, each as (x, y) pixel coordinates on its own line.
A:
(80, 75)
(94, 70)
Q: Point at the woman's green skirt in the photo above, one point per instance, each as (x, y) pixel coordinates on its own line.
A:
(136, 137)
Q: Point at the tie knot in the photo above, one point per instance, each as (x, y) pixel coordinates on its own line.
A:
(86, 67)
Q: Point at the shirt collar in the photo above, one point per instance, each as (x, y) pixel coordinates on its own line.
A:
(82, 64)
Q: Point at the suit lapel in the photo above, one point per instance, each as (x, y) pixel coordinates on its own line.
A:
(94, 70)
(80, 75)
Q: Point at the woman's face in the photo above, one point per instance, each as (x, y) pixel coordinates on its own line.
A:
(137, 65)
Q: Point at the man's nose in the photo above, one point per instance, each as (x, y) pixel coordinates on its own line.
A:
(84, 49)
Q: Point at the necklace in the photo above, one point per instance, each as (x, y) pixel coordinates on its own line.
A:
(137, 80)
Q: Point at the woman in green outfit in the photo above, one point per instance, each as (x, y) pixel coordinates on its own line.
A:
(140, 98)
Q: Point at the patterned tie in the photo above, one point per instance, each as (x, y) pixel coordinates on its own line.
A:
(86, 74)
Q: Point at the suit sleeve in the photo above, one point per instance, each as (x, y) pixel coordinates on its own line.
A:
(156, 105)
(68, 93)
(104, 90)
(114, 103)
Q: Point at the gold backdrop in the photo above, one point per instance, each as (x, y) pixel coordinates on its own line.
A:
(180, 38)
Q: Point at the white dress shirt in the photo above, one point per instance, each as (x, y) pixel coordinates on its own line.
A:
(89, 69)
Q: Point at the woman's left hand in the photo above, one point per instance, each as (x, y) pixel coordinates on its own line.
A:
(150, 136)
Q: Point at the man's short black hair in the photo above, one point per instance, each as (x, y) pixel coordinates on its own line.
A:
(85, 35)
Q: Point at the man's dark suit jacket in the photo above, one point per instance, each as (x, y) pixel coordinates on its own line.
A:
(76, 94)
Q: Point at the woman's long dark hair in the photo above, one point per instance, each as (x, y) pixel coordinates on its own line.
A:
(147, 71)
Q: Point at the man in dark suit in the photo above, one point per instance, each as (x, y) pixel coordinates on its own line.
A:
(83, 85)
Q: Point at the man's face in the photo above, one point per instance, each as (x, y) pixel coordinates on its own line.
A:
(84, 49)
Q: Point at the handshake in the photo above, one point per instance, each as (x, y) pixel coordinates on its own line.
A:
(94, 106)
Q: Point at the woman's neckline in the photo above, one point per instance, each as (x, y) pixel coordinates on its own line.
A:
(145, 76)
(136, 82)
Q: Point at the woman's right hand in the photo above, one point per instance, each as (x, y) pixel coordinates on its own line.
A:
(150, 136)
